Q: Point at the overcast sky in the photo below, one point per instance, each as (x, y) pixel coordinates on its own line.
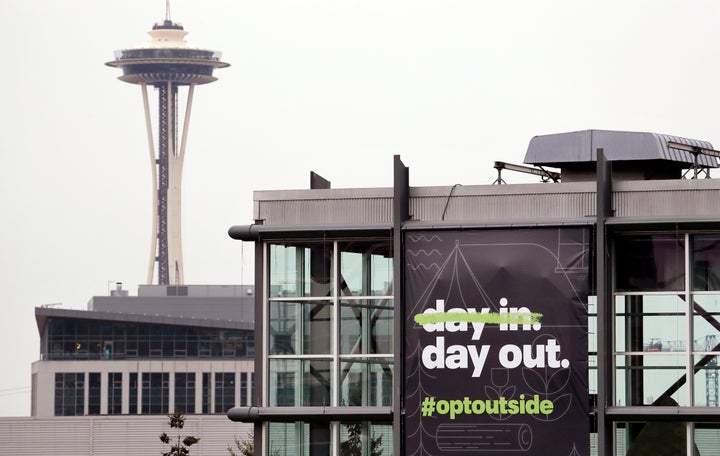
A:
(337, 87)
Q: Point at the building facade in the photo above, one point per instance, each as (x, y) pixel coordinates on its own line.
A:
(583, 314)
(148, 354)
(108, 376)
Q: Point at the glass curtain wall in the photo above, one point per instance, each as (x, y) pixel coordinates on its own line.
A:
(667, 336)
(75, 339)
(329, 340)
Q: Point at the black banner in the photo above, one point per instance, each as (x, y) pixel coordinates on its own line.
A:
(496, 356)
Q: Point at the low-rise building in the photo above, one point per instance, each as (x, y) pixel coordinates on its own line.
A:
(573, 317)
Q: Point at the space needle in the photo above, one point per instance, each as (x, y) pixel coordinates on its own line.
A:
(167, 63)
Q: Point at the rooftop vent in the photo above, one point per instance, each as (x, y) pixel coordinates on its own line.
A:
(634, 156)
(118, 291)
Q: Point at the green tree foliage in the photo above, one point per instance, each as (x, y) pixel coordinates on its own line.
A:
(179, 447)
(243, 447)
(353, 445)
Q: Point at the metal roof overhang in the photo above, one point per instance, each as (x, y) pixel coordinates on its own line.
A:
(415, 225)
(620, 224)
(258, 232)
(43, 313)
(616, 224)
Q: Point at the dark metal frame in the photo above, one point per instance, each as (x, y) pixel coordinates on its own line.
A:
(401, 213)
(167, 115)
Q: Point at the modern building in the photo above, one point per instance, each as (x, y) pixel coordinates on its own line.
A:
(573, 317)
(171, 347)
(108, 375)
(168, 64)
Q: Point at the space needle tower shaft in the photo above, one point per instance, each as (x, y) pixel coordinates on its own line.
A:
(167, 64)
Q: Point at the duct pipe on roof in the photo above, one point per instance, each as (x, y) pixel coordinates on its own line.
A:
(290, 414)
(253, 232)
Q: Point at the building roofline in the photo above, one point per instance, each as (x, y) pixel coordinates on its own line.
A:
(43, 313)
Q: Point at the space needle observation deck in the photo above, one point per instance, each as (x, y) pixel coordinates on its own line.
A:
(167, 63)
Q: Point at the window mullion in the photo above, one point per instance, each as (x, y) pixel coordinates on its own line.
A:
(690, 364)
(335, 387)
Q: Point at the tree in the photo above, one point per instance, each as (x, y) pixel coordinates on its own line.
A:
(353, 445)
(243, 447)
(176, 420)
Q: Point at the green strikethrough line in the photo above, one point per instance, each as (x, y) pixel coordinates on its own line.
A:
(519, 318)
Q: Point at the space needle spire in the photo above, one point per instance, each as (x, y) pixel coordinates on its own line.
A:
(168, 64)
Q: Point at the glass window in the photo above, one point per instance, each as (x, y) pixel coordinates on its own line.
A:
(592, 344)
(330, 337)
(94, 393)
(359, 438)
(253, 398)
(206, 392)
(651, 332)
(366, 382)
(155, 392)
(706, 262)
(185, 392)
(290, 439)
(706, 437)
(650, 379)
(653, 262)
(705, 380)
(706, 349)
(69, 393)
(114, 393)
(244, 389)
(650, 323)
(300, 382)
(224, 391)
(366, 326)
(82, 340)
(133, 397)
(655, 437)
(366, 268)
(301, 327)
(301, 270)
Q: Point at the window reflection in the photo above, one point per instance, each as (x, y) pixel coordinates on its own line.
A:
(224, 391)
(301, 270)
(366, 382)
(366, 326)
(94, 393)
(300, 382)
(114, 393)
(366, 268)
(185, 392)
(69, 393)
(706, 262)
(102, 340)
(300, 327)
(662, 319)
(650, 323)
(329, 327)
(365, 438)
(653, 262)
(155, 392)
(643, 379)
(657, 437)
